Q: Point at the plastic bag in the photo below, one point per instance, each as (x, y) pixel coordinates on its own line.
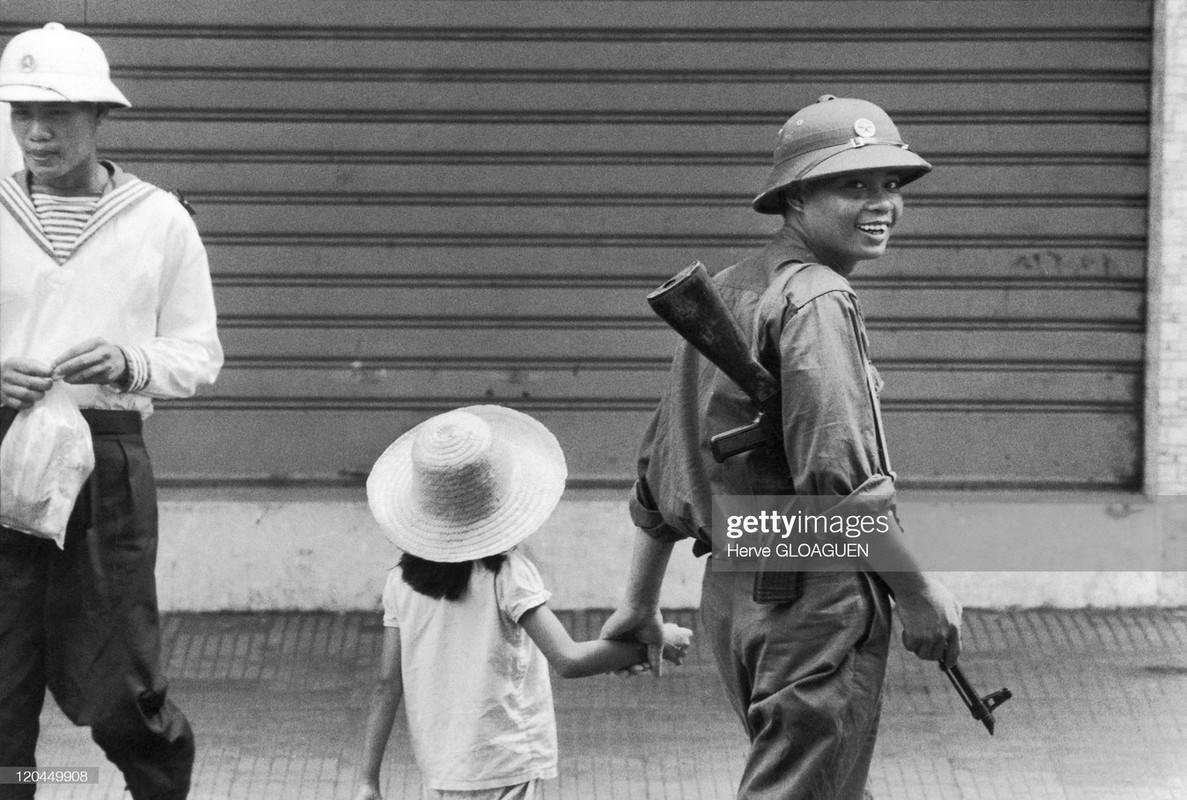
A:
(45, 459)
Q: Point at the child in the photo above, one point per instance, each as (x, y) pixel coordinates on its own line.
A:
(467, 631)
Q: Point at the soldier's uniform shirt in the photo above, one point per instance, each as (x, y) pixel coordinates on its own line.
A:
(804, 671)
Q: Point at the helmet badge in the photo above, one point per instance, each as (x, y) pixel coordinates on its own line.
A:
(864, 128)
(28, 63)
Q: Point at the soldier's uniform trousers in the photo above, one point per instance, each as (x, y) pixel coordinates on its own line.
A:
(83, 623)
(805, 677)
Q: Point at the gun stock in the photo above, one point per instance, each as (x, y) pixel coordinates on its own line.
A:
(690, 304)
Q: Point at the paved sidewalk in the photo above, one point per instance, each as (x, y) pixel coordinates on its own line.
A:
(1099, 711)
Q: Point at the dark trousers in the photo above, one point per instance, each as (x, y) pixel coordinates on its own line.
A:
(805, 677)
(83, 623)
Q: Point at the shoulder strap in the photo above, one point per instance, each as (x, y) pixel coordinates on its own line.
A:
(802, 283)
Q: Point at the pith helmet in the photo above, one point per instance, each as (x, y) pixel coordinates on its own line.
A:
(831, 137)
(55, 65)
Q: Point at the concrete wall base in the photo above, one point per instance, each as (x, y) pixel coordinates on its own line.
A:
(254, 550)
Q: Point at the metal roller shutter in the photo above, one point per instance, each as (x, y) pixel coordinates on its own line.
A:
(411, 206)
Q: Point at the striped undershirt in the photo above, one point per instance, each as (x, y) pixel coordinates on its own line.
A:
(63, 218)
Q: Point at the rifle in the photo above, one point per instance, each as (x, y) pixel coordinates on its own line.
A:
(690, 304)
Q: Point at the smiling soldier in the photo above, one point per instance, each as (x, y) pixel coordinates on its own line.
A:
(802, 655)
(105, 287)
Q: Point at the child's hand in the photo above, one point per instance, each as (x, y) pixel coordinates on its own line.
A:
(368, 792)
(676, 642)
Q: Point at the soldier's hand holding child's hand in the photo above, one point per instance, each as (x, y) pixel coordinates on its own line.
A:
(676, 642)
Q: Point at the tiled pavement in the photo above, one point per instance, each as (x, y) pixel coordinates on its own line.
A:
(1099, 711)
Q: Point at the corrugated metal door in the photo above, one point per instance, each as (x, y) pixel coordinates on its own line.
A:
(411, 206)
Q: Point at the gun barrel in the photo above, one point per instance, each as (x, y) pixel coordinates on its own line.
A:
(689, 303)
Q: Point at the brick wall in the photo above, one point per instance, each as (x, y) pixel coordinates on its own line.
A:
(1166, 404)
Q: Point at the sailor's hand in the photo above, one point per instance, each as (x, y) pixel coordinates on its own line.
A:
(92, 361)
(23, 381)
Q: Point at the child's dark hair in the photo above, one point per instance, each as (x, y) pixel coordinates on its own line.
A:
(443, 581)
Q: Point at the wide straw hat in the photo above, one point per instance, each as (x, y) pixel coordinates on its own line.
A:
(835, 136)
(467, 484)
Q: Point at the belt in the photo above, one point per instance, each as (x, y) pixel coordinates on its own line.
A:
(103, 422)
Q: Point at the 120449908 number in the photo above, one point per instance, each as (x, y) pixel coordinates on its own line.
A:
(19, 775)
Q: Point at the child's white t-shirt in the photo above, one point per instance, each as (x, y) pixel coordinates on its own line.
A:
(476, 687)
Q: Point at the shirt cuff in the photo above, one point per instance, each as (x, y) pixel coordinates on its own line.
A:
(138, 370)
(647, 518)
